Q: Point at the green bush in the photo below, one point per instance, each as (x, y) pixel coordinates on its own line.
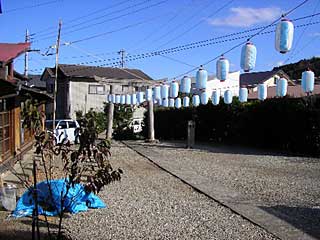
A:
(290, 124)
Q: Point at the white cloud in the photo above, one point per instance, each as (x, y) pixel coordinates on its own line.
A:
(247, 17)
(280, 63)
(315, 34)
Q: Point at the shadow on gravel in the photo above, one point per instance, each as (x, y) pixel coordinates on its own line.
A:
(15, 235)
(303, 218)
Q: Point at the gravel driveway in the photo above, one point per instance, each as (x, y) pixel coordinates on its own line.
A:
(151, 204)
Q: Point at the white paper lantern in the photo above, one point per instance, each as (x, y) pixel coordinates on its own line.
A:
(123, 99)
(128, 99)
(284, 36)
(177, 103)
(262, 91)
(204, 98)
(185, 86)
(140, 97)
(201, 78)
(222, 69)
(307, 81)
(165, 102)
(164, 91)
(227, 97)
(282, 87)
(133, 99)
(195, 100)
(215, 97)
(118, 99)
(171, 102)
(149, 94)
(174, 89)
(248, 57)
(157, 92)
(243, 95)
(186, 102)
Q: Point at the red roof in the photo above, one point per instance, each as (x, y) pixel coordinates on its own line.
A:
(9, 51)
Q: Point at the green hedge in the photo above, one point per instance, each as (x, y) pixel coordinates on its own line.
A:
(290, 124)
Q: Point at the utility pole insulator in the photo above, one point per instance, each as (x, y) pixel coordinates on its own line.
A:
(122, 52)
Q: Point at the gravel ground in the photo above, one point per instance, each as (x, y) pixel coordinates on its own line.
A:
(259, 178)
(150, 204)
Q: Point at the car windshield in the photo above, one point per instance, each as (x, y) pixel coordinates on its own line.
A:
(49, 124)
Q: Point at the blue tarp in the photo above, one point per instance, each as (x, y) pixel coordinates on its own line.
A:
(77, 200)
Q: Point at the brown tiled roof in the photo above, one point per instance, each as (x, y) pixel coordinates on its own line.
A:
(255, 78)
(104, 72)
(293, 91)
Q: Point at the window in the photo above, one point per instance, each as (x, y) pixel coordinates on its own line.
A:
(4, 133)
(63, 125)
(96, 89)
(72, 125)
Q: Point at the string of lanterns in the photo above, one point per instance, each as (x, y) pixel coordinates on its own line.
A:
(167, 95)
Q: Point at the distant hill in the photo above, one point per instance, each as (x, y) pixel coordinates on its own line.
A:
(294, 70)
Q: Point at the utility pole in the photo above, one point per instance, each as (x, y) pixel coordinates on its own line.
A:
(110, 116)
(26, 55)
(122, 52)
(56, 77)
(151, 137)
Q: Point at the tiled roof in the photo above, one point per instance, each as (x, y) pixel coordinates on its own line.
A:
(254, 78)
(293, 91)
(9, 51)
(104, 72)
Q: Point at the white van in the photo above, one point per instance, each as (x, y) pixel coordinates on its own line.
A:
(64, 129)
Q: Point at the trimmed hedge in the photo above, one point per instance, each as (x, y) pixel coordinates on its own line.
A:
(290, 124)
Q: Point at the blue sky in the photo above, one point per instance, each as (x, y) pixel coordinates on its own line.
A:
(149, 25)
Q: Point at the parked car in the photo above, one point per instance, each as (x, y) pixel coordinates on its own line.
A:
(64, 129)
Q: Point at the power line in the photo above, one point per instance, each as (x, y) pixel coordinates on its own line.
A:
(32, 6)
(84, 16)
(109, 19)
(197, 24)
(99, 17)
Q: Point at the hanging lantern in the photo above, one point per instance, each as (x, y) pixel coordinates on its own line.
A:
(243, 94)
(128, 99)
(284, 36)
(262, 91)
(123, 99)
(177, 103)
(248, 57)
(186, 101)
(307, 81)
(118, 99)
(215, 97)
(134, 99)
(107, 99)
(171, 102)
(164, 91)
(222, 69)
(157, 92)
(165, 102)
(195, 100)
(174, 89)
(113, 98)
(140, 97)
(204, 98)
(159, 102)
(201, 78)
(282, 86)
(227, 98)
(185, 86)
(149, 94)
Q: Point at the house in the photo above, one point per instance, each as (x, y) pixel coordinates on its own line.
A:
(253, 79)
(214, 84)
(81, 88)
(14, 139)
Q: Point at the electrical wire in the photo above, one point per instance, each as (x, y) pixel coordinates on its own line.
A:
(31, 6)
(197, 24)
(99, 17)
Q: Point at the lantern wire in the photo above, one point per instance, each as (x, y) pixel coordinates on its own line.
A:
(252, 36)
